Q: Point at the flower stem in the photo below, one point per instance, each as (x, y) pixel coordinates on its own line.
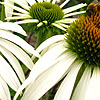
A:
(29, 39)
(43, 34)
(39, 39)
(3, 12)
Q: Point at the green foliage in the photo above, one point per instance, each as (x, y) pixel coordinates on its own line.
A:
(46, 31)
(86, 1)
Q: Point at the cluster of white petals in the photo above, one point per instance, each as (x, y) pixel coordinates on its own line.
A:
(56, 63)
(12, 49)
(24, 15)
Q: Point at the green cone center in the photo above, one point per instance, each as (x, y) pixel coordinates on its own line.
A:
(46, 11)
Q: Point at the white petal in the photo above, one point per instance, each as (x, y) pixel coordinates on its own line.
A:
(8, 74)
(68, 20)
(74, 13)
(19, 14)
(65, 90)
(24, 1)
(82, 86)
(73, 8)
(93, 90)
(15, 8)
(31, 2)
(4, 91)
(47, 0)
(18, 17)
(27, 21)
(12, 27)
(63, 25)
(52, 46)
(40, 0)
(48, 79)
(8, 9)
(54, 1)
(50, 41)
(17, 40)
(58, 26)
(64, 3)
(20, 2)
(18, 52)
(46, 61)
(14, 62)
(40, 24)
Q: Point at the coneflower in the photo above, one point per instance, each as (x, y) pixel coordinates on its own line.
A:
(46, 17)
(74, 56)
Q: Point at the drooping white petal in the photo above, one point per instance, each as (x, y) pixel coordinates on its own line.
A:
(15, 8)
(20, 2)
(74, 13)
(27, 21)
(17, 40)
(93, 90)
(8, 74)
(12, 27)
(73, 8)
(50, 41)
(18, 17)
(18, 52)
(64, 3)
(4, 91)
(46, 61)
(14, 62)
(52, 46)
(40, 24)
(58, 26)
(65, 90)
(48, 78)
(19, 14)
(31, 2)
(8, 9)
(68, 20)
(82, 86)
(63, 25)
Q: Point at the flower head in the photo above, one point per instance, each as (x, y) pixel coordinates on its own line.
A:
(73, 57)
(43, 17)
(84, 37)
(12, 49)
(41, 12)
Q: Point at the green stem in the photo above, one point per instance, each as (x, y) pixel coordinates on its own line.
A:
(43, 34)
(3, 12)
(39, 39)
(29, 39)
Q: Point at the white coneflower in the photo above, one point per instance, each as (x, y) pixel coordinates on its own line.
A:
(46, 17)
(42, 12)
(74, 57)
(12, 49)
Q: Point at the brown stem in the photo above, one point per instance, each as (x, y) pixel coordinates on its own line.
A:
(29, 39)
